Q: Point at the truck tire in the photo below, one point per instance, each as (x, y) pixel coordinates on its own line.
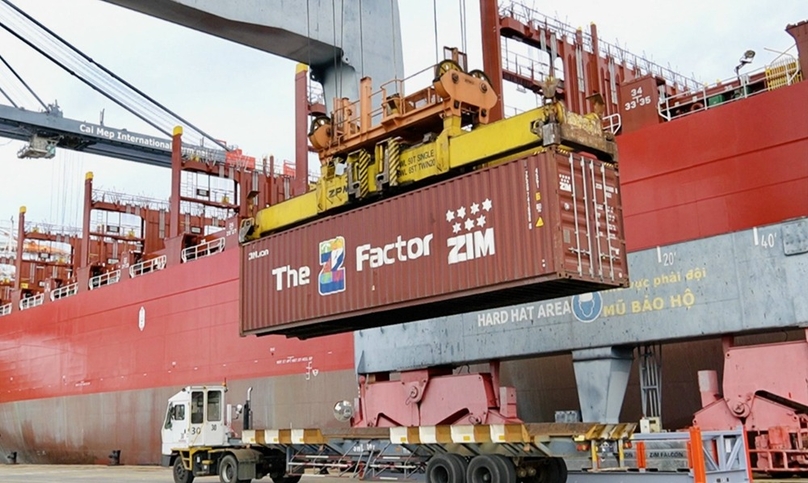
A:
(507, 467)
(286, 479)
(228, 470)
(181, 475)
(554, 470)
(486, 468)
(561, 466)
(445, 468)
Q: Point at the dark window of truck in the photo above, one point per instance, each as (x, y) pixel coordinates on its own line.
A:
(197, 407)
(214, 405)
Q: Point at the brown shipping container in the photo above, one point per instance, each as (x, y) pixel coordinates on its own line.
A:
(535, 228)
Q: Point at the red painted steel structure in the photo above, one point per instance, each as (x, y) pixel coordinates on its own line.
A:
(95, 334)
(489, 24)
(523, 230)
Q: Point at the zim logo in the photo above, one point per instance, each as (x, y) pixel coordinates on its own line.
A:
(587, 307)
(332, 261)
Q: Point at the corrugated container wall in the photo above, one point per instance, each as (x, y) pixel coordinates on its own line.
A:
(531, 229)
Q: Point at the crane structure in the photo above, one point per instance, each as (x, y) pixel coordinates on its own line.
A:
(46, 131)
(367, 151)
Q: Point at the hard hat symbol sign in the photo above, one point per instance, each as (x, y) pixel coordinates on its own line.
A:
(587, 307)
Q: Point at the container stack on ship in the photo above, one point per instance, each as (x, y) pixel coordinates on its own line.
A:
(497, 246)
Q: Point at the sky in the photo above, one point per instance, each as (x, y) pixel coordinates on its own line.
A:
(245, 96)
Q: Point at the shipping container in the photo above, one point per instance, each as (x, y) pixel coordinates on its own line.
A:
(535, 228)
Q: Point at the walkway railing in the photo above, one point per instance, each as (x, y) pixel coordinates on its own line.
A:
(204, 249)
(105, 279)
(780, 73)
(5, 309)
(29, 302)
(63, 292)
(147, 266)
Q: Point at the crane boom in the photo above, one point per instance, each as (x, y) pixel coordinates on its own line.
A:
(46, 131)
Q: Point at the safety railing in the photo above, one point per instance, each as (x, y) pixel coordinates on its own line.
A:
(5, 309)
(204, 249)
(710, 96)
(107, 278)
(32, 301)
(390, 100)
(780, 73)
(529, 16)
(525, 67)
(147, 266)
(63, 292)
(126, 199)
(612, 123)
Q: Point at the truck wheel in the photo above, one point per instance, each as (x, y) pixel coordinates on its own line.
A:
(485, 468)
(228, 470)
(181, 475)
(445, 468)
(554, 470)
(507, 467)
(561, 468)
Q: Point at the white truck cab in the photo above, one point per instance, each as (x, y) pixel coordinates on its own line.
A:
(195, 417)
(197, 440)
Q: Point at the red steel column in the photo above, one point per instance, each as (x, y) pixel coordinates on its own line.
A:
(20, 246)
(84, 256)
(176, 179)
(492, 53)
(301, 183)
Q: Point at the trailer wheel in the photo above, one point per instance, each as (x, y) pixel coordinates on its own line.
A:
(507, 467)
(228, 470)
(554, 470)
(445, 468)
(486, 468)
(460, 463)
(181, 475)
(561, 467)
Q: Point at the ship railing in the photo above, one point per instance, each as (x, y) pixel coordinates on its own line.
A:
(33, 301)
(782, 72)
(66, 291)
(147, 266)
(204, 249)
(525, 67)
(518, 10)
(105, 279)
(125, 199)
(5, 309)
(612, 123)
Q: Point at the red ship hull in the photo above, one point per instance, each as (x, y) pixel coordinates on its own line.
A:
(731, 168)
(74, 369)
